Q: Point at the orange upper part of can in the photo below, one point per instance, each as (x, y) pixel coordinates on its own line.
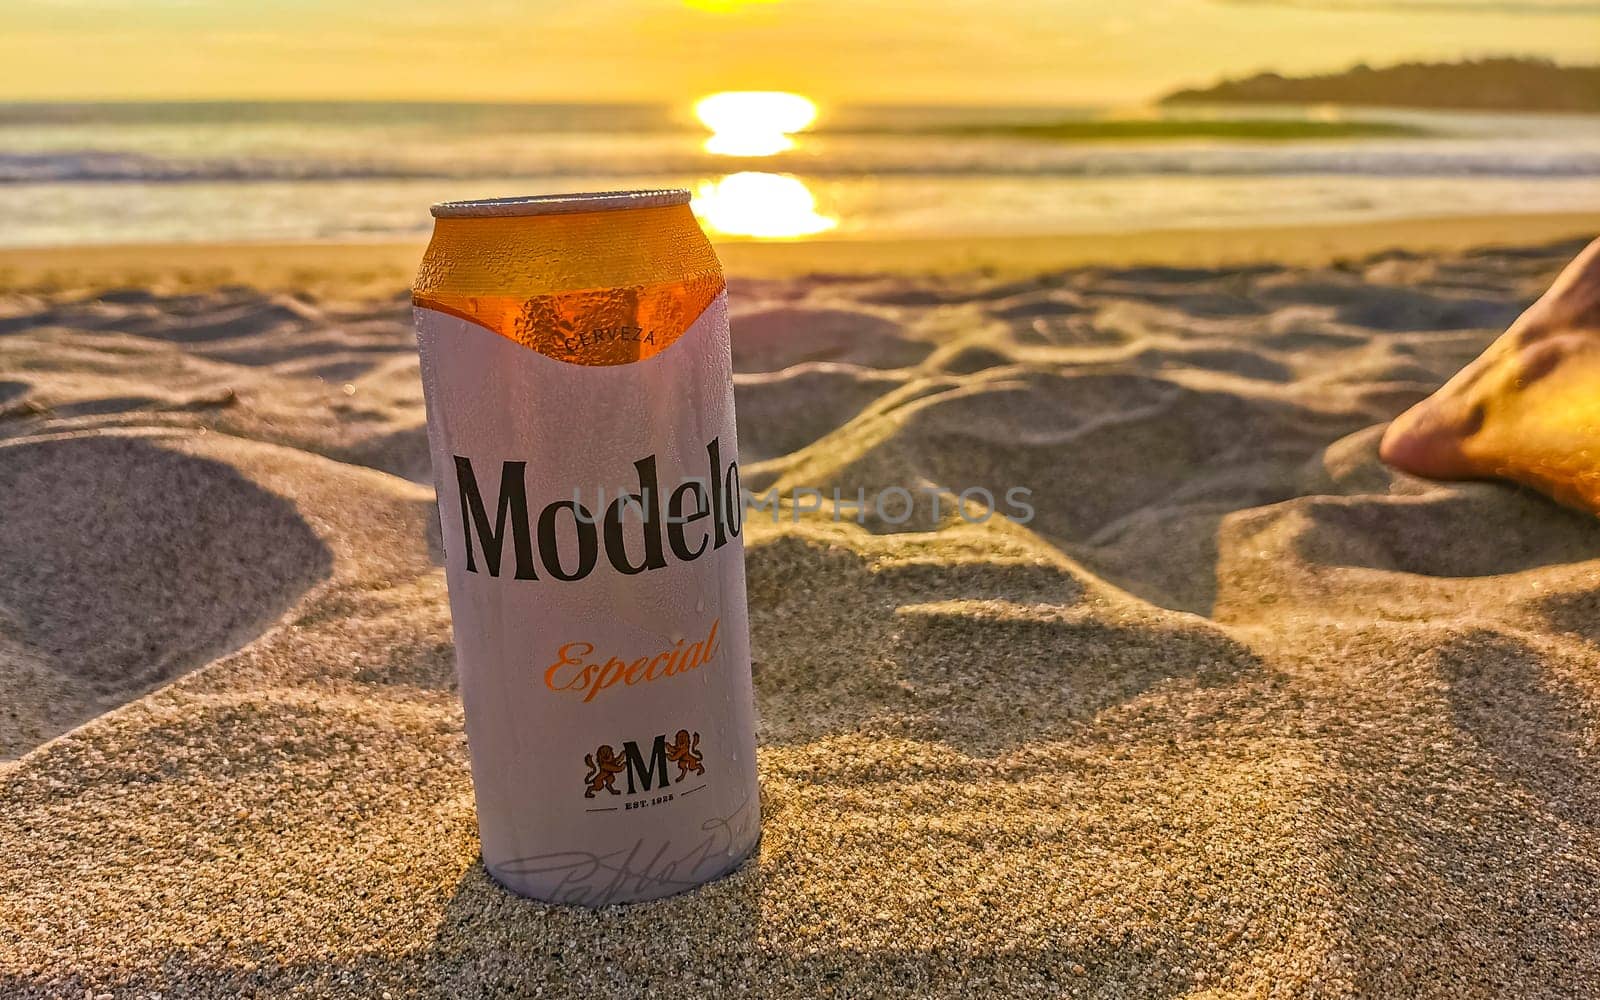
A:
(601, 279)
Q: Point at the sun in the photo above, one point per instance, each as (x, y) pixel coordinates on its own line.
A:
(753, 122)
(723, 6)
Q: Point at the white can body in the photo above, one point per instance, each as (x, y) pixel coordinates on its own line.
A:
(591, 520)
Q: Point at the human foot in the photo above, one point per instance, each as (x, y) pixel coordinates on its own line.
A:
(1528, 408)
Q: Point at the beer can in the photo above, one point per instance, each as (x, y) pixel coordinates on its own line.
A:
(578, 380)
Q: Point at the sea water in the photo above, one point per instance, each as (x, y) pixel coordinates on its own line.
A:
(129, 173)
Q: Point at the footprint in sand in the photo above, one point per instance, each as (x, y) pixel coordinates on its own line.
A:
(129, 562)
(981, 656)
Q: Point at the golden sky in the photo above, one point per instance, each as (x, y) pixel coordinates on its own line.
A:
(980, 51)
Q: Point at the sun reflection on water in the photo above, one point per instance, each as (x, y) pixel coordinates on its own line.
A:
(752, 203)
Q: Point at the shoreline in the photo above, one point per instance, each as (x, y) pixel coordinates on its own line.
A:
(386, 267)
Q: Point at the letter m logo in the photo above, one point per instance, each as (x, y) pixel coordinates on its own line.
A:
(512, 507)
(649, 774)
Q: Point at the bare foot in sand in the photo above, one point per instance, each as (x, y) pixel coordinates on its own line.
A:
(1528, 408)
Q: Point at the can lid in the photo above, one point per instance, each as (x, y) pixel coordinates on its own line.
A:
(559, 204)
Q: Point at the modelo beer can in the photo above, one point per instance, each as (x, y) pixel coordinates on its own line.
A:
(576, 366)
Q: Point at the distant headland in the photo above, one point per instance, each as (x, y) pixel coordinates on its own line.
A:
(1502, 84)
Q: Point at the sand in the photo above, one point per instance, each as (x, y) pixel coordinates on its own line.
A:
(1239, 713)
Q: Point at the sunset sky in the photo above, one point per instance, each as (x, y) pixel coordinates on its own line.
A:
(1023, 51)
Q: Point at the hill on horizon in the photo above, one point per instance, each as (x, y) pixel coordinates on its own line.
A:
(1500, 84)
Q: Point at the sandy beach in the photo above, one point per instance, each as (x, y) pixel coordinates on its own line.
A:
(1239, 713)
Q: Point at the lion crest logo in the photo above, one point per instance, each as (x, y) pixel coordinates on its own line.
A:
(604, 766)
(685, 752)
(643, 769)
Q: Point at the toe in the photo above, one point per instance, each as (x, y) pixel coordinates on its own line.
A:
(1425, 442)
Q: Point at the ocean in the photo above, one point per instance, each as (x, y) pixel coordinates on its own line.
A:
(74, 174)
